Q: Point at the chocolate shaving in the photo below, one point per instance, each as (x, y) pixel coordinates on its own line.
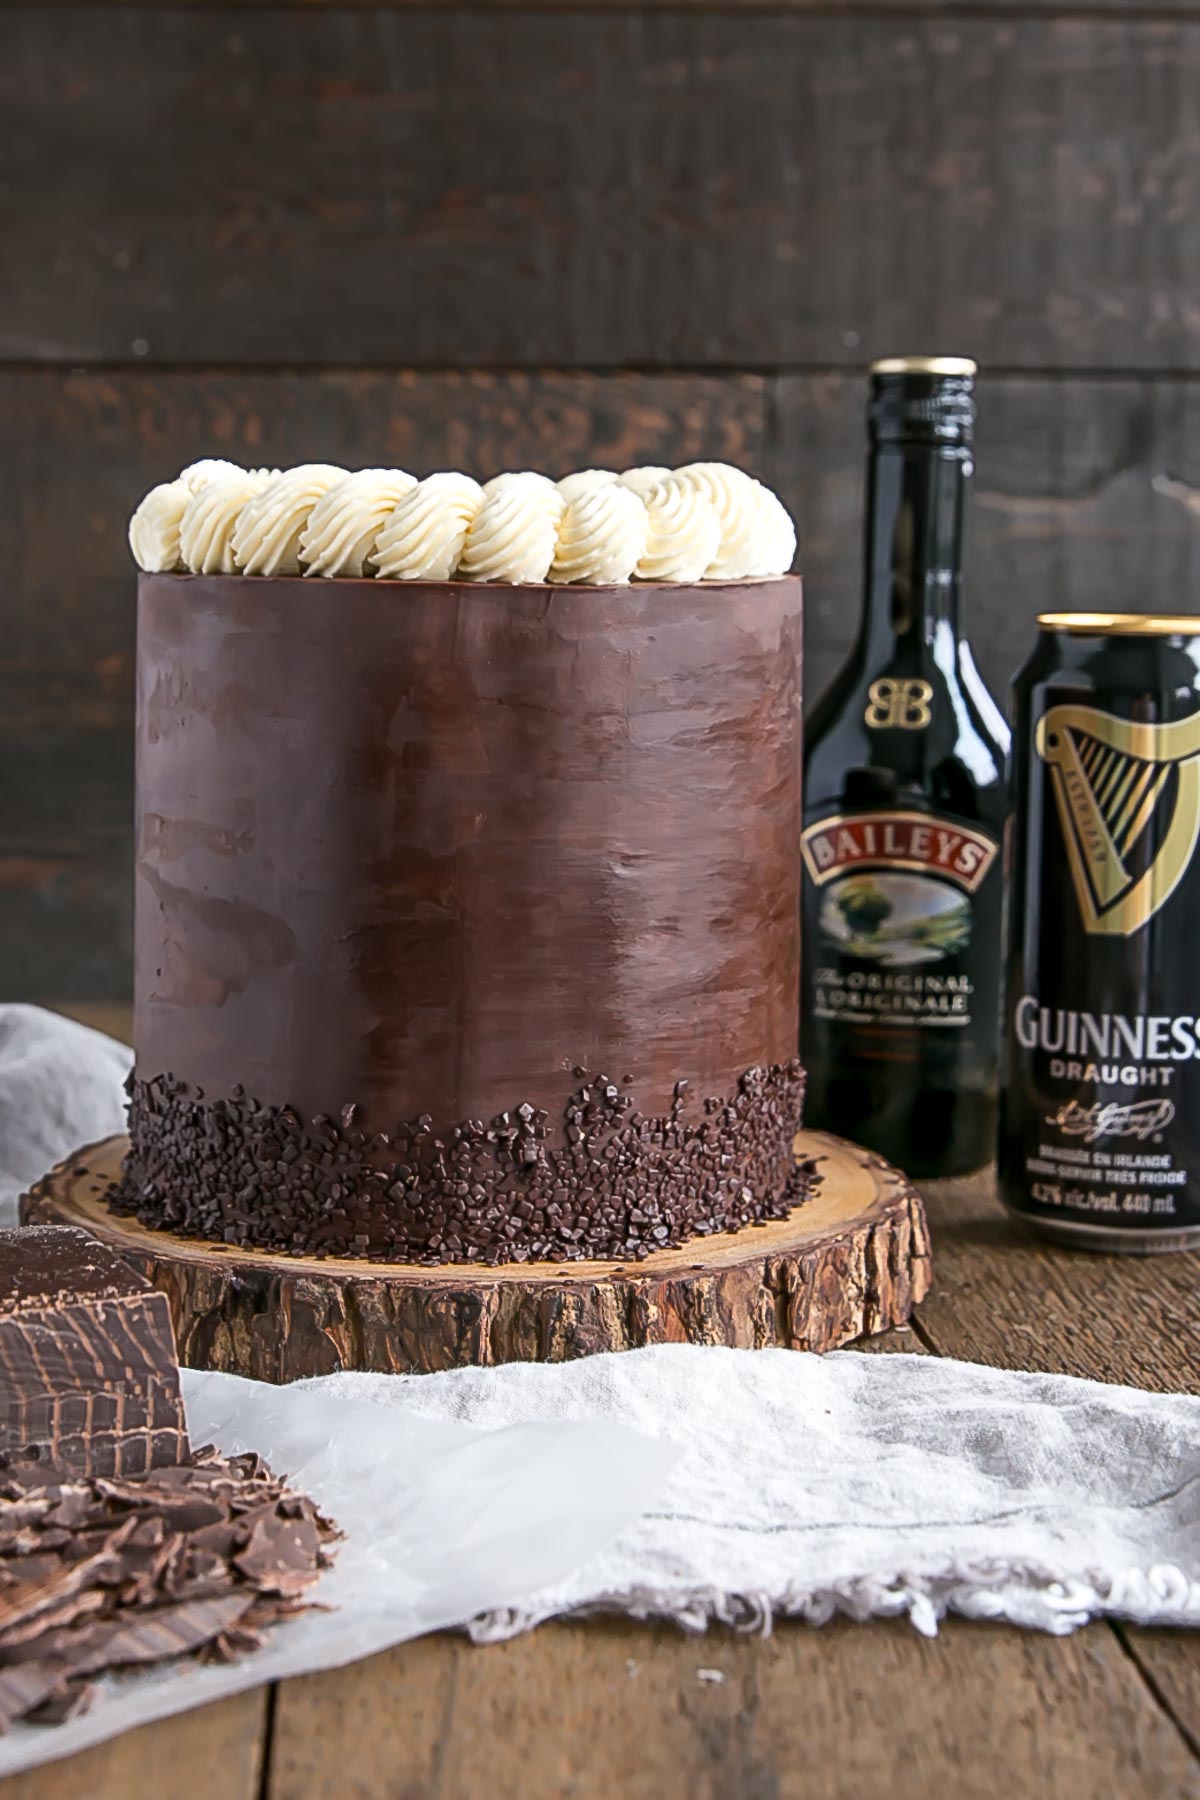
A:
(68, 1703)
(22, 1642)
(279, 1554)
(26, 1599)
(101, 1573)
(163, 1632)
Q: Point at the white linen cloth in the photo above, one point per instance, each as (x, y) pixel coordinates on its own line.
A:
(61, 1085)
(759, 1484)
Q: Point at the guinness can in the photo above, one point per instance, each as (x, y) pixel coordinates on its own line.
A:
(1100, 1102)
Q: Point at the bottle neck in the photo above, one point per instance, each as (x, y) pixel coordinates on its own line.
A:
(916, 516)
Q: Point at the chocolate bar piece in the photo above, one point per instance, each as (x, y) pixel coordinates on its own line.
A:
(88, 1369)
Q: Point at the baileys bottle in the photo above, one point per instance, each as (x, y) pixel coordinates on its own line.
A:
(905, 794)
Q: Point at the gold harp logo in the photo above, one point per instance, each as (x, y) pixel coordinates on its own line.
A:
(1129, 805)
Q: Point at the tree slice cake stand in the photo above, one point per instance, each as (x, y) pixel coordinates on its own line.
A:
(851, 1260)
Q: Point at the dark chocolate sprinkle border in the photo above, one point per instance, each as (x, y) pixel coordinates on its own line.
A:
(610, 1183)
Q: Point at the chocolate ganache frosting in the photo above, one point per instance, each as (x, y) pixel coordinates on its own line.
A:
(467, 915)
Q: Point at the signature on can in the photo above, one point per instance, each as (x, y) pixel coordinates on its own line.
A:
(1113, 1119)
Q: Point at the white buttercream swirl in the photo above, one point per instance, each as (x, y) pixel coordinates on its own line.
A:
(683, 533)
(266, 538)
(422, 538)
(343, 525)
(593, 526)
(515, 530)
(154, 527)
(601, 537)
(210, 468)
(641, 480)
(583, 481)
(525, 480)
(206, 529)
(776, 535)
(752, 540)
(732, 492)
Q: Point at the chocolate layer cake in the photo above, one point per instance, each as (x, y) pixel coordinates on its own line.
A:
(467, 915)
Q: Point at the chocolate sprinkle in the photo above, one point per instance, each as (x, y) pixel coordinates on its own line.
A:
(196, 1559)
(609, 1183)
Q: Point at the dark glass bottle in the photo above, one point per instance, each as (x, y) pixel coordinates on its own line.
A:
(904, 806)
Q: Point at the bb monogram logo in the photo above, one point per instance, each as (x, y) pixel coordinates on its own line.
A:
(895, 705)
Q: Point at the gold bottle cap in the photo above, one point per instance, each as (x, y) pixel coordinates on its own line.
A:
(923, 365)
(1085, 624)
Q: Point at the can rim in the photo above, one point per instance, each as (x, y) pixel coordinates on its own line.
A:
(1086, 624)
(923, 365)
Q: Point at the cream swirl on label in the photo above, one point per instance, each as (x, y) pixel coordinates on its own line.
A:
(583, 481)
(684, 532)
(752, 539)
(206, 529)
(198, 475)
(515, 530)
(154, 527)
(641, 480)
(422, 538)
(266, 538)
(601, 537)
(343, 525)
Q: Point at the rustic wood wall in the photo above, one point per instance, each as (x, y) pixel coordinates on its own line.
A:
(535, 233)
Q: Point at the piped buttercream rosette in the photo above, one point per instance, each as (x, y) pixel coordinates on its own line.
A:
(423, 537)
(345, 522)
(596, 527)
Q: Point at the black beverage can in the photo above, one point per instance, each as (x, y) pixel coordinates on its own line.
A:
(1100, 1101)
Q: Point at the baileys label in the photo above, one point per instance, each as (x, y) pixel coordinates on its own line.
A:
(893, 911)
(901, 840)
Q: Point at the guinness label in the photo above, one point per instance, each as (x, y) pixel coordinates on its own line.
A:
(1100, 1108)
(1129, 800)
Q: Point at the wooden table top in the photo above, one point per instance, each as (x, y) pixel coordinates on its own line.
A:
(611, 1707)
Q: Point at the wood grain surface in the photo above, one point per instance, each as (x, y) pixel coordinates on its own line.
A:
(1087, 496)
(537, 188)
(595, 1708)
(1006, 1298)
(742, 8)
(1084, 487)
(1088, 492)
(618, 1708)
(214, 1753)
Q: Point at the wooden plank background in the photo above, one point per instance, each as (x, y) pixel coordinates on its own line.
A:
(531, 233)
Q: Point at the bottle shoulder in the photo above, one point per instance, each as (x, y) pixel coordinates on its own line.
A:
(930, 731)
(985, 709)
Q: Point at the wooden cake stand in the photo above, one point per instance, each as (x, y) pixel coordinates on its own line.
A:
(853, 1259)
